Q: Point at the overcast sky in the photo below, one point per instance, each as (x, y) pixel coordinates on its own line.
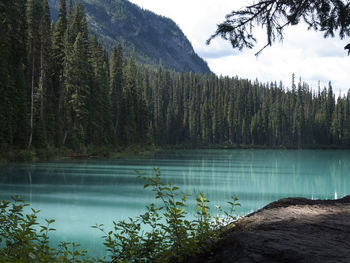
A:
(305, 53)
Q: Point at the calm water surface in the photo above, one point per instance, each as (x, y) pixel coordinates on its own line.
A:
(82, 193)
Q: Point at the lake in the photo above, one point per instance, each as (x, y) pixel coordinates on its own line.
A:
(79, 194)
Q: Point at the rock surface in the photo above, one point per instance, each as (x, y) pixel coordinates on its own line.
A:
(152, 39)
(289, 230)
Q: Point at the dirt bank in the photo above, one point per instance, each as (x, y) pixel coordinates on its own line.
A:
(289, 230)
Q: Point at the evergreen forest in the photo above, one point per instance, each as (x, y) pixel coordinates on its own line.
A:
(60, 87)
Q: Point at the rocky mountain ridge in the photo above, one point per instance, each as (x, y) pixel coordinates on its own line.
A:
(153, 39)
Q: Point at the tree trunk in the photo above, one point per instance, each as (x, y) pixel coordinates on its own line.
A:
(32, 104)
(61, 113)
(42, 85)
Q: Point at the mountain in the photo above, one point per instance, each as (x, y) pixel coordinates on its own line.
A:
(153, 39)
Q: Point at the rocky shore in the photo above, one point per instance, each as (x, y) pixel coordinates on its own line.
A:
(288, 230)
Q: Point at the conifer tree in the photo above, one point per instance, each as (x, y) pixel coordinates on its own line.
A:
(33, 15)
(44, 85)
(13, 87)
(58, 50)
(99, 102)
(116, 88)
(6, 133)
(77, 92)
(130, 102)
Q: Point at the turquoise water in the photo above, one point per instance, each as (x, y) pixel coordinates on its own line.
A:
(80, 194)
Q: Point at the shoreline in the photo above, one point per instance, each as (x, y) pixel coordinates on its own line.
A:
(132, 151)
(57, 154)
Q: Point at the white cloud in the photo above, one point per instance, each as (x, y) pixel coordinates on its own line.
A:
(305, 53)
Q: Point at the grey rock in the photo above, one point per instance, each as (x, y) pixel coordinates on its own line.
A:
(289, 230)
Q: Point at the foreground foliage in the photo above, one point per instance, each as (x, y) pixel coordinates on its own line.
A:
(164, 233)
(23, 239)
(171, 236)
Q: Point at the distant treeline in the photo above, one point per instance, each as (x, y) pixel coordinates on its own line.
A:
(59, 86)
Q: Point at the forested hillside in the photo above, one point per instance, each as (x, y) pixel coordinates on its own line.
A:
(153, 39)
(60, 87)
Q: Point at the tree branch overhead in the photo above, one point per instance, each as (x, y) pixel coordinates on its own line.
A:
(327, 16)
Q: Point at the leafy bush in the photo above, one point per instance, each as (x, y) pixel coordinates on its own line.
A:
(170, 235)
(26, 156)
(23, 239)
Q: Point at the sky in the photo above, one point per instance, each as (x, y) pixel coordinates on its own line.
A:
(308, 55)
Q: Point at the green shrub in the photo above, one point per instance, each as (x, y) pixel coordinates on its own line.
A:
(171, 236)
(23, 239)
(26, 156)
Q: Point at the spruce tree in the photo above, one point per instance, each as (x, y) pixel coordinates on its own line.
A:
(6, 133)
(13, 85)
(130, 102)
(116, 88)
(44, 85)
(58, 55)
(33, 15)
(77, 93)
(99, 102)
